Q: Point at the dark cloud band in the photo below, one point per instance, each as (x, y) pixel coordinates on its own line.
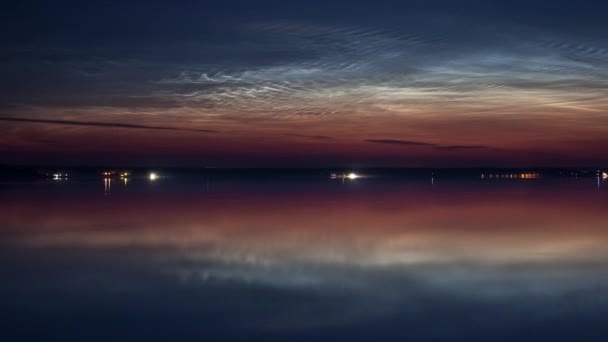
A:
(316, 137)
(421, 143)
(103, 124)
(399, 142)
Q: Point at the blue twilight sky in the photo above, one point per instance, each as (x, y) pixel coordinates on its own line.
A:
(305, 83)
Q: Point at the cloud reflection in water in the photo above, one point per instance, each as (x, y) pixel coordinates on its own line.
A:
(315, 259)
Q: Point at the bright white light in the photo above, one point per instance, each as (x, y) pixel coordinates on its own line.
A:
(605, 175)
(352, 176)
(153, 176)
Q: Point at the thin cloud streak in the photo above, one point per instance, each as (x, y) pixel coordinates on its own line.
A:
(399, 142)
(460, 147)
(103, 124)
(317, 137)
(421, 143)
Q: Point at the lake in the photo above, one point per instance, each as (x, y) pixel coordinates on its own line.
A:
(278, 257)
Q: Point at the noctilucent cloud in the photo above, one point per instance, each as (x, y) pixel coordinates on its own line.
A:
(305, 83)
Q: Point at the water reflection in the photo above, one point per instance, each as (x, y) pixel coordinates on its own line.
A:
(107, 186)
(312, 259)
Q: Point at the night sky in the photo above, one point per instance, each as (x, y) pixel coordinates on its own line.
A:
(305, 83)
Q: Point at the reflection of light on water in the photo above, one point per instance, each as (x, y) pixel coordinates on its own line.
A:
(601, 177)
(435, 242)
(107, 185)
(335, 256)
(124, 176)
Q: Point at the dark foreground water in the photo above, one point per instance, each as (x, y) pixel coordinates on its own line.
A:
(310, 259)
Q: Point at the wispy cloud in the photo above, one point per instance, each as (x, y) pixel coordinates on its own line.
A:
(103, 124)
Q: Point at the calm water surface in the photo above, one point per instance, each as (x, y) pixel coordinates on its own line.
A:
(311, 259)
